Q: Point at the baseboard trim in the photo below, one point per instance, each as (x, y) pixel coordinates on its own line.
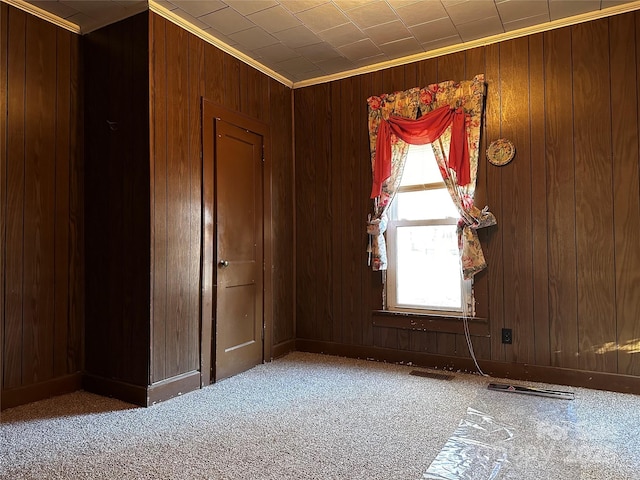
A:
(281, 349)
(144, 396)
(173, 387)
(515, 371)
(14, 397)
(108, 387)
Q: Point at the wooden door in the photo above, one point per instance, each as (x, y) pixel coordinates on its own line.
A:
(239, 249)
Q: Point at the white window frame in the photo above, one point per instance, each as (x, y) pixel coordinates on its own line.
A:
(391, 283)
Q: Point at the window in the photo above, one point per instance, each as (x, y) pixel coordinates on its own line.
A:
(424, 273)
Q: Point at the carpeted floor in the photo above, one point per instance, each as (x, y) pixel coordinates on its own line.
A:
(309, 416)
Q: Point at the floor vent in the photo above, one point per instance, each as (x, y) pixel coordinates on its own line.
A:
(437, 376)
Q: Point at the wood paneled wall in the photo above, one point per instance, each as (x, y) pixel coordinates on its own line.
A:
(184, 69)
(117, 202)
(564, 266)
(41, 204)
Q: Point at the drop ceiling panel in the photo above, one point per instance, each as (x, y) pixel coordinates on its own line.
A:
(297, 37)
(342, 35)
(421, 12)
(274, 19)
(247, 7)
(227, 21)
(388, 32)
(198, 8)
(372, 14)
(322, 17)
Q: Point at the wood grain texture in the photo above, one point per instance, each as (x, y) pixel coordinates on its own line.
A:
(494, 237)
(336, 206)
(14, 222)
(39, 131)
(561, 207)
(61, 228)
(4, 29)
(196, 86)
(540, 294)
(516, 226)
(305, 205)
(160, 203)
(625, 105)
(179, 317)
(593, 196)
(116, 202)
(283, 212)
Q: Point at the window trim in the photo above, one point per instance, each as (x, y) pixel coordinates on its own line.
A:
(391, 304)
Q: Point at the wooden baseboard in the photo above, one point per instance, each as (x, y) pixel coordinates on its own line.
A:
(143, 396)
(281, 349)
(14, 397)
(173, 387)
(515, 371)
(108, 387)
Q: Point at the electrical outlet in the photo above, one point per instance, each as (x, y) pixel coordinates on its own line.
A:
(507, 335)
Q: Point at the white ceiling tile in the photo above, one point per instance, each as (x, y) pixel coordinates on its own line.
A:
(403, 3)
(247, 7)
(166, 4)
(364, 62)
(470, 10)
(441, 43)
(297, 37)
(568, 8)
(421, 12)
(274, 19)
(388, 32)
(346, 5)
(198, 8)
(526, 22)
(359, 50)
(480, 28)
(227, 21)
(430, 31)
(322, 17)
(335, 65)
(298, 64)
(401, 48)
(372, 14)
(296, 6)
(277, 53)
(342, 35)
(90, 7)
(59, 9)
(318, 52)
(191, 19)
(512, 10)
(253, 38)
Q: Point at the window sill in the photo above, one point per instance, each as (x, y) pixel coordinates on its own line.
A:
(429, 322)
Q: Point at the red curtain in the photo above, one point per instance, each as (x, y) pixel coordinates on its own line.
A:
(425, 129)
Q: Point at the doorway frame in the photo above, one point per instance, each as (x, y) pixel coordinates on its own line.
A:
(210, 112)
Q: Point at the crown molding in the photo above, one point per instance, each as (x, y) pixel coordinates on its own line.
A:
(44, 15)
(207, 37)
(481, 42)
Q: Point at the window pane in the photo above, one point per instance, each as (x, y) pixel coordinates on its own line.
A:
(428, 267)
(425, 204)
(421, 166)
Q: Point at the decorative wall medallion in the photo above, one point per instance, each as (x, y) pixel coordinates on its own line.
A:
(500, 152)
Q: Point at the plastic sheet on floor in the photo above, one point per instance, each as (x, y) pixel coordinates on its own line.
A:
(508, 436)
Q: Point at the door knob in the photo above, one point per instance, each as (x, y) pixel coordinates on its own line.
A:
(223, 263)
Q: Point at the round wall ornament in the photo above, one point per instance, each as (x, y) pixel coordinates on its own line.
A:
(500, 152)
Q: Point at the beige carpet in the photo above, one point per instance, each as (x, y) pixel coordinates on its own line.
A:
(309, 416)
